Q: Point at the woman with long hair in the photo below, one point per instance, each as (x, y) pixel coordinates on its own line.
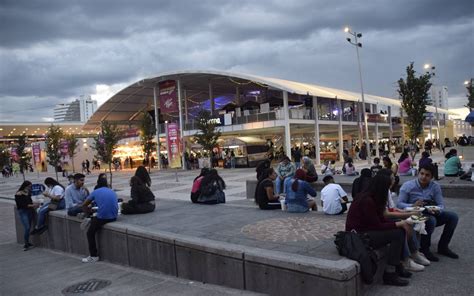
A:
(366, 216)
(142, 173)
(310, 170)
(212, 188)
(102, 177)
(25, 208)
(387, 164)
(297, 190)
(55, 193)
(143, 200)
(196, 189)
(265, 196)
(404, 164)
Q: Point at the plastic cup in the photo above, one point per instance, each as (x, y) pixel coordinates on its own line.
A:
(283, 205)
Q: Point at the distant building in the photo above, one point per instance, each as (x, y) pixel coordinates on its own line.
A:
(79, 110)
(438, 96)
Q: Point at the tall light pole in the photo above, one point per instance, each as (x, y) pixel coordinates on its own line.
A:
(430, 69)
(357, 45)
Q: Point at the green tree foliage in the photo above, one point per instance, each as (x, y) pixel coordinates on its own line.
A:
(414, 94)
(4, 156)
(23, 157)
(470, 95)
(208, 135)
(53, 151)
(72, 144)
(147, 134)
(105, 144)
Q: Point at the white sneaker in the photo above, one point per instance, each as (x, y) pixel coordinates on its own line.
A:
(90, 259)
(419, 258)
(410, 265)
(85, 223)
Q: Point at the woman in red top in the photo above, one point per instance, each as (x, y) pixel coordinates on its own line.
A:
(366, 216)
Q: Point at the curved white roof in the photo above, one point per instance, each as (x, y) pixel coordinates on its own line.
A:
(130, 101)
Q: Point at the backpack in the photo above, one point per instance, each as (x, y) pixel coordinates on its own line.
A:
(355, 246)
(211, 193)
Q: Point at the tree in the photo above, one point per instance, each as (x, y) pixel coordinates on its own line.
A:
(72, 144)
(105, 143)
(147, 134)
(53, 149)
(207, 136)
(414, 95)
(23, 157)
(4, 156)
(470, 95)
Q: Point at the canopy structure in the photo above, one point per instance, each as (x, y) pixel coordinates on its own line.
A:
(125, 106)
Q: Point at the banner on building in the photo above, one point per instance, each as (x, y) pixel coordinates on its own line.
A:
(36, 153)
(64, 147)
(174, 147)
(168, 96)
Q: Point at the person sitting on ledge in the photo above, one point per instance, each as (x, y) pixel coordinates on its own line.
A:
(196, 190)
(297, 190)
(333, 197)
(264, 195)
(143, 200)
(452, 166)
(107, 211)
(361, 183)
(75, 195)
(310, 170)
(366, 217)
(55, 192)
(284, 171)
(423, 191)
(350, 168)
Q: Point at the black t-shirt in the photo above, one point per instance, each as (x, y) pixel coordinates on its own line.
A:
(261, 192)
(22, 201)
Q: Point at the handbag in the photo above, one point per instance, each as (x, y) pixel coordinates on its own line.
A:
(53, 205)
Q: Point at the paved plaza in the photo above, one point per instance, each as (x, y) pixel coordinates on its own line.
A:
(239, 222)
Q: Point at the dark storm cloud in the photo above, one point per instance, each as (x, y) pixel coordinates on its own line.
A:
(53, 51)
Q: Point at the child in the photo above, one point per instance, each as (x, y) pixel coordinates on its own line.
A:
(376, 167)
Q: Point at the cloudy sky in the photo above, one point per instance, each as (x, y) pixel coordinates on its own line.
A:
(53, 51)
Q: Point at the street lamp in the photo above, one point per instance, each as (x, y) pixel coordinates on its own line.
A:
(357, 44)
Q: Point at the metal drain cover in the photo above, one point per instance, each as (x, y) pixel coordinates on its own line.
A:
(86, 287)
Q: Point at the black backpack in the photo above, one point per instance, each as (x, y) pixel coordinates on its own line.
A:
(355, 246)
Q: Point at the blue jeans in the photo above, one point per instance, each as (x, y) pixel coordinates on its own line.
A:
(44, 210)
(278, 185)
(74, 210)
(26, 216)
(297, 208)
(411, 245)
(446, 218)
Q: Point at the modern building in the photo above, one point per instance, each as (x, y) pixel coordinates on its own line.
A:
(286, 113)
(438, 96)
(79, 110)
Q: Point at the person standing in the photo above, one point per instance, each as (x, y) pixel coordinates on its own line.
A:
(75, 195)
(297, 156)
(88, 165)
(232, 159)
(25, 208)
(107, 211)
(424, 191)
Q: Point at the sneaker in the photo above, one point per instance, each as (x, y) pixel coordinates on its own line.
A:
(85, 224)
(90, 259)
(403, 272)
(430, 256)
(42, 229)
(411, 265)
(419, 258)
(448, 253)
(392, 279)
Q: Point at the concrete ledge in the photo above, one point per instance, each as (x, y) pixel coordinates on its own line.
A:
(210, 262)
(220, 263)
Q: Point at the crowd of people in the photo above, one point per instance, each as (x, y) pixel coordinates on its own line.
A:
(96, 208)
(372, 211)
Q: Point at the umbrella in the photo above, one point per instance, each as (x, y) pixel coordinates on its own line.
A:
(470, 117)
